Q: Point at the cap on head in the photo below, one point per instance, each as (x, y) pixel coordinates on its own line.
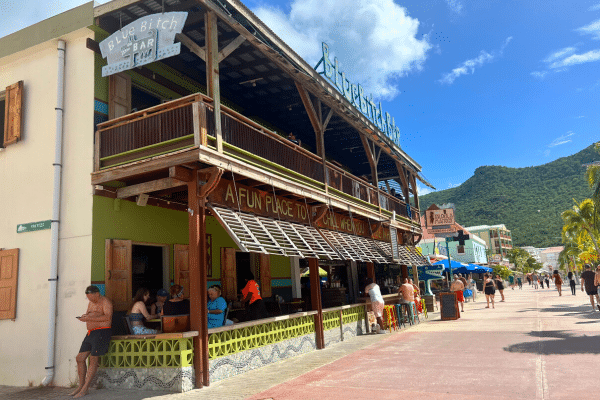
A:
(92, 289)
(162, 293)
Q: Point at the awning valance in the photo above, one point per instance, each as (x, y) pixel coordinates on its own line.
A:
(265, 235)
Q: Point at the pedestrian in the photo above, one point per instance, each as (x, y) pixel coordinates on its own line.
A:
(489, 289)
(377, 302)
(473, 286)
(571, 282)
(529, 279)
(587, 279)
(500, 286)
(457, 287)
(542, 281)
(520, 282)
(511, 282)
(98, 320)
(547, 280)
(557, 282)
(534, 280)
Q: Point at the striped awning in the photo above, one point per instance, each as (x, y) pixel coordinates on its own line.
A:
(265, 235)
(407, 255)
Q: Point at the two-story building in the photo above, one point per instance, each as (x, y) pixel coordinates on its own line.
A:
(497, 238)
(474, 250)
(147, 144)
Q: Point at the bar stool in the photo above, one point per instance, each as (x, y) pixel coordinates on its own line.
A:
(390, 317)
(399, 315)
(415, 312)
(424, 305)
(408, 307)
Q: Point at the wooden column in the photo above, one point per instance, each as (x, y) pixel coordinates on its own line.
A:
(212, 72)
(404, 270)
(198, 295)
(371, 271)
(315, 297)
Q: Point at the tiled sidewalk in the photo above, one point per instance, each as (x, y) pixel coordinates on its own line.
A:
(237, 387)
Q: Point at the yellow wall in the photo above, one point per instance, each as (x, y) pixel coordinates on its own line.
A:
(26, 178)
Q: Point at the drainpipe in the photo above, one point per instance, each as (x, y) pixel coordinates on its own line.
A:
(57, 166)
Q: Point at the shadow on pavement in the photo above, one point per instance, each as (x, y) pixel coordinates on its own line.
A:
(564, 343)
(584, 311)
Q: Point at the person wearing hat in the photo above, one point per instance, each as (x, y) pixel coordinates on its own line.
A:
(161, 298)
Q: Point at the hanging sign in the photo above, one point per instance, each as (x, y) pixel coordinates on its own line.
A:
(143, 41)
(33, 226)
(356, 96)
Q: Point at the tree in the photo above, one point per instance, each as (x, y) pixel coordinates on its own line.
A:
(580, 221)
(593, 178)
(519, 257)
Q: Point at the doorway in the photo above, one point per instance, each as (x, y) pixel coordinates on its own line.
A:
(147, 268)
(243, 266)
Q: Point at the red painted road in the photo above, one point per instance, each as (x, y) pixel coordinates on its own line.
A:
(536, 345)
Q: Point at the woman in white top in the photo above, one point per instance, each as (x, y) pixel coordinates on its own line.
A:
(377, 302)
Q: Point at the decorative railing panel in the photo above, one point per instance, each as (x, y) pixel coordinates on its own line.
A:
(331, 319)
(249, 337)
(149, 353)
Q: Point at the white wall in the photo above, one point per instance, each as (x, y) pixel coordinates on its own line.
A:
(26, 179)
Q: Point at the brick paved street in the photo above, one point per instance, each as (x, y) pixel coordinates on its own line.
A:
(536, 345)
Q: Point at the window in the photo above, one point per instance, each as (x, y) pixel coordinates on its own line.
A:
(9, 268)
(11, 103)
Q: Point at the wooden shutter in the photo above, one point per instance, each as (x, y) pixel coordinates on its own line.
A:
(9, 268)
(118, 273)
(13, 113)
(119, 95)
(228, 273)
(265, 275)
(182, 268)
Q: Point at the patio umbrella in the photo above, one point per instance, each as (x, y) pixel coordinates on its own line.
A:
(322, 272)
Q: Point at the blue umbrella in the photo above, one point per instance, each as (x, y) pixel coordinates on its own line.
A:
(455, 265)
(480, 269)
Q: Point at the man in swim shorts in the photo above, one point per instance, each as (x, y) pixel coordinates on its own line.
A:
(98, 319)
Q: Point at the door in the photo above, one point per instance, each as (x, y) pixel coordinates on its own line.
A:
(119, 95)
(182, 268)
(9, 269)
(228, 273)
(118, 273)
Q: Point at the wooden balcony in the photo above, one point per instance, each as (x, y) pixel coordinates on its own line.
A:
(188, 124)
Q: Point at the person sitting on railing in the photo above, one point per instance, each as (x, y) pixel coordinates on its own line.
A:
(138, 311)
(256, 307)
(177, 305)
(216, 307)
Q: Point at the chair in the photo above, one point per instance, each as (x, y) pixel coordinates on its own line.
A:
(226, 313)
(128, 324)
(175, 323)
(407, 312)
(390, 317)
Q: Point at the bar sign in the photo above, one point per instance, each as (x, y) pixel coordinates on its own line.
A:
(33, 226)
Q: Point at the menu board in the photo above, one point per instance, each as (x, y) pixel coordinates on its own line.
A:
(449, 306)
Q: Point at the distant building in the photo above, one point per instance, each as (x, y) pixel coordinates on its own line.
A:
(534, 252)
(497, 238)
(474, 250)
(549, 257)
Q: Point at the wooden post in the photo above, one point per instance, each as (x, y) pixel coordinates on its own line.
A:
(212, 72)
(404, 270)
(198, 295)
(371, 271)
(315, 298)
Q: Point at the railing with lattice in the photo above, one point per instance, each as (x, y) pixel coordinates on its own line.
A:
(149, 353)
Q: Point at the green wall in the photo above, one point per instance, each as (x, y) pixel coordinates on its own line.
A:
(151, 225)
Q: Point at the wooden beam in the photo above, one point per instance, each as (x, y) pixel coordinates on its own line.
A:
(413, 181)
(402, 176)
(370, 158)
(327, 119)
(315, 300)
(212, 72)
(211, 177)
(312, 113)
(181, 173)
(148, 187)
(230, 48)
(192, 46)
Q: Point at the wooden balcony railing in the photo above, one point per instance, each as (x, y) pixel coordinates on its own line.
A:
(169, 127)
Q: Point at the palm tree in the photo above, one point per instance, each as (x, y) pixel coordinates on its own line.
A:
(568, 254)
(593, 177)
(581, 220)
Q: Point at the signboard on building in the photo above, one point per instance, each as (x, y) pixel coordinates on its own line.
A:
(34, 226)
(143, 41)
(356, 96)
(442, 219)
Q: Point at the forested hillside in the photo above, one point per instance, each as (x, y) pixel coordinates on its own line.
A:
(528, 201)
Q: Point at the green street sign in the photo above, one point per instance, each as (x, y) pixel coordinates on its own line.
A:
(33, 226)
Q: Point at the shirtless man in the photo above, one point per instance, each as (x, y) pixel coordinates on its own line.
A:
(457, 286)
(98, 319)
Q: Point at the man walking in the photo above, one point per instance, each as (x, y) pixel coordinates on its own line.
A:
(587, 279)
(534, 280)
(98, 319)
(571, 282)
(457, 286)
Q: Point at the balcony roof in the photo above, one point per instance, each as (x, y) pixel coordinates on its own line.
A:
(258, 80)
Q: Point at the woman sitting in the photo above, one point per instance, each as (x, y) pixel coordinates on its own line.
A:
(177, 305)
(216, 307)
(138, 311)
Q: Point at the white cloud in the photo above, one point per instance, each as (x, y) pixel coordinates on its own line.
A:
(453, 185)
(539, 74)
(374, 40)
(591, 29)
(590, 56)
(594, 7)
(455, 6)
(423, 190)
(580, 116)
(469, 66)
(562, 139)
(560, 54)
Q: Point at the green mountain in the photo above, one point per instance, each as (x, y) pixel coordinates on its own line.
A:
(528, 201)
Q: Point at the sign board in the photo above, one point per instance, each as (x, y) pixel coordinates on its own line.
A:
(428, 272)
(444, 218)
(394, 238)
(33, 226)
(357, 97)
(449, 306)
(143, 41)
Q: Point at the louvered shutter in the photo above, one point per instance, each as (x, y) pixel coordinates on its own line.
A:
(182, 268)
(13, 113)
(228, 273)
(9, 268)
(265, 275)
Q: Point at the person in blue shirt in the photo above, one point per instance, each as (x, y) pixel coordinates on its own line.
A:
(216, 307)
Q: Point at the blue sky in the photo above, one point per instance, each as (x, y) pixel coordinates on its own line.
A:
(470, 83)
